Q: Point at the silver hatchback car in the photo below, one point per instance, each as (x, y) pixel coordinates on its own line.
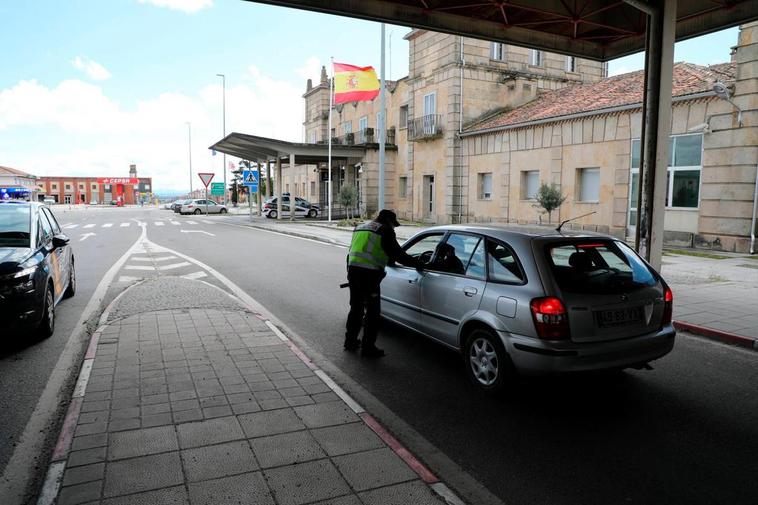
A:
(513, 301)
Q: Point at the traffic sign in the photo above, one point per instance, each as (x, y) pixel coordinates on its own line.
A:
(252, 187)
(206, 178)
(250, 177)
(217, 188)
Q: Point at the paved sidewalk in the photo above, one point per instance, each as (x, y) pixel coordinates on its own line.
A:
(193, 399)
(716, 298)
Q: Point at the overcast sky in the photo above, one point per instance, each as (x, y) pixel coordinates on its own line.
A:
(89, 86)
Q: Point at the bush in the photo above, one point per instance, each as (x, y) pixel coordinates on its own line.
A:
(549, 198)
(348, 198)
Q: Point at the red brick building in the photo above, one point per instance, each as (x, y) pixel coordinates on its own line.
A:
(63, 189)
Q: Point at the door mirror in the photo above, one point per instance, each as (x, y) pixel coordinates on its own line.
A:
(60, 241)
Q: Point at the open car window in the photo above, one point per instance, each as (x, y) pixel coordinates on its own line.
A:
(460, 254)
(423, 247)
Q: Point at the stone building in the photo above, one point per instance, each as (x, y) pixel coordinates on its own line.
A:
(475, 127)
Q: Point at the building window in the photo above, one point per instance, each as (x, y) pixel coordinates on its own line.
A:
(362, 125)
(403, 187)
(485, 186)
(683, 174)
(430, 104)
(55, 186)
(94, 187)
(497, 51)
(535, 57)
(403, 116)
(313, 137)
(313, 188)
(530, 183)
(81, 187)
(147, 187)
(570, 64)
(68, 187)
(588, 184)
(347, 127)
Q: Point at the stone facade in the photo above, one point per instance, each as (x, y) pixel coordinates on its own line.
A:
(445, 169)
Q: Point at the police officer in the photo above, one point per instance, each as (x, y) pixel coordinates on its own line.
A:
(374, 244)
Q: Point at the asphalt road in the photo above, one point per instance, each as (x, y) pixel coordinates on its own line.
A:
(685, 432)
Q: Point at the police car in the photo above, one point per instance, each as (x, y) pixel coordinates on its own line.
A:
(36, 267)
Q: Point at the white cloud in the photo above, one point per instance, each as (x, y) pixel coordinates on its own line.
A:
(311, 69)
(101, 137)
(93, 69)
(188, 6)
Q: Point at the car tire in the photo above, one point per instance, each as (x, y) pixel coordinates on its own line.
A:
(272, 214)
(47, 324)
(71, 289)
(198, 211)
(223, 211)
(487, 364)
(312, 213)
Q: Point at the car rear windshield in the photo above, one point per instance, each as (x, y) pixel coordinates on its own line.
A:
(602, 267)
(15, 225)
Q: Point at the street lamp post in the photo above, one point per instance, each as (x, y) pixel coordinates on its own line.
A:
(189, 144)
(223, 85)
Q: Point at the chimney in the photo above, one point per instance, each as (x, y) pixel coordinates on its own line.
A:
(132, 170)
(309, 86)
(324, 79)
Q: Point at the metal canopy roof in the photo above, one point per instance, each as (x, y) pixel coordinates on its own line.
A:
(596, 29)
(254, 148)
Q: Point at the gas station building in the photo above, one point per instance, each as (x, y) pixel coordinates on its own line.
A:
(96, 190)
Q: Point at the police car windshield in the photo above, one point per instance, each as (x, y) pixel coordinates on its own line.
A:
(15, 225)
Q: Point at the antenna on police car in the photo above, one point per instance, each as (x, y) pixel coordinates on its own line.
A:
(573, 219)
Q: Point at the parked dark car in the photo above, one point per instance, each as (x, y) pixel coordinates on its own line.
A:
(36, 267)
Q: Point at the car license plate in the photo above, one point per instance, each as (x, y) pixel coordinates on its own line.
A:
(618, 317)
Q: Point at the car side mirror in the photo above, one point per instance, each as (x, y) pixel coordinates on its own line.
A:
(60, 241)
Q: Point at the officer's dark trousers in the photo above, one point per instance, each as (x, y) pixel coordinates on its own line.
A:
(364, 299)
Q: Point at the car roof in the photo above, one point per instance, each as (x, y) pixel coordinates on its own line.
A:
(519, 233)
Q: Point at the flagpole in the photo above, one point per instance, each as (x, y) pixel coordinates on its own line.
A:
(329, 134)
(382, 106)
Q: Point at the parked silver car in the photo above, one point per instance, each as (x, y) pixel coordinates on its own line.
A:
(512, 301)
(200, 206)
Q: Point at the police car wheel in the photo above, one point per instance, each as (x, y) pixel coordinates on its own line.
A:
(71, 289)
(47, 325)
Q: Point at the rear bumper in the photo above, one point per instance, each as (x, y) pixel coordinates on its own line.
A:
(533, 356)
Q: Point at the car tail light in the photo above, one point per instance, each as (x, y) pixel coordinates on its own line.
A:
(550, 318)
(190, 206)
(668, 307)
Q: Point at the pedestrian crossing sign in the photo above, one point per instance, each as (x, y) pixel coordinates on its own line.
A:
(250, 177)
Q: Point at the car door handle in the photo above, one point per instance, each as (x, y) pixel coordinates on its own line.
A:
(469, 291)
(412, 281)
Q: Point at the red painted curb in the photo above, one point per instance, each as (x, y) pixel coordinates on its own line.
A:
(92, 347)
(404, 454)
(722, 336)
(67, 430)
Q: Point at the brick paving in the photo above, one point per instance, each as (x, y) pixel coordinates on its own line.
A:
(209, 406)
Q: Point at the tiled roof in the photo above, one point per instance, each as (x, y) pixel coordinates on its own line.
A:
(13, 171)
(624, 89)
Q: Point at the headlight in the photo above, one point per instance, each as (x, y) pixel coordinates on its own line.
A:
(25, 272)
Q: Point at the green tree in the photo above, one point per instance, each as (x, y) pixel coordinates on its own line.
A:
(348, 198)
(549, 198)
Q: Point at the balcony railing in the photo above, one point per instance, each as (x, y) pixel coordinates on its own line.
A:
(363, 137)
(425, 127)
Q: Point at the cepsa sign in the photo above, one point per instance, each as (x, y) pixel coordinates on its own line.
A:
(118, 180)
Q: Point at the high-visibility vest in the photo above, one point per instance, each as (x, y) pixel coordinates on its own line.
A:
(366, 247)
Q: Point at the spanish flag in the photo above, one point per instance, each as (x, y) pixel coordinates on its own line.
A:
(354, 84)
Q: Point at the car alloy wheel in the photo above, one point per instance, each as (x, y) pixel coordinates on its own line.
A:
(272, 214)
(71, 289)
(312, 213)
(47, 325)
(487, 363)
(198, 211)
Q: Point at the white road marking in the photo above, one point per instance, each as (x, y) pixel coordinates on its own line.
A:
(127, 278)
(175, 223)
(107, 225)
(191, 222)
(86, 236)
(208, 221)
(159, 223)
(69, 226)
(140, 258)
(125, 224)
(197, 231)
(195, 275)
(139, 267)
(172, 266)
(91, 225)
(164, 258)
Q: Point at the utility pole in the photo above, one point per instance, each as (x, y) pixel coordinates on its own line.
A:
(382, 106)
(223, 115)
(189, 139)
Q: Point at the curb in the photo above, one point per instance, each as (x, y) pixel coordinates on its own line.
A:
(718, 335)
(54, 476)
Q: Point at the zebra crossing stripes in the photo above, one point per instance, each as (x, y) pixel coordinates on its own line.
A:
(91, 225)
(175, 223)
(126, 224)
(159, 223)
(107, 225)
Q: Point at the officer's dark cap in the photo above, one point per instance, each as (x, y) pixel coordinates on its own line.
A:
(386, 216)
